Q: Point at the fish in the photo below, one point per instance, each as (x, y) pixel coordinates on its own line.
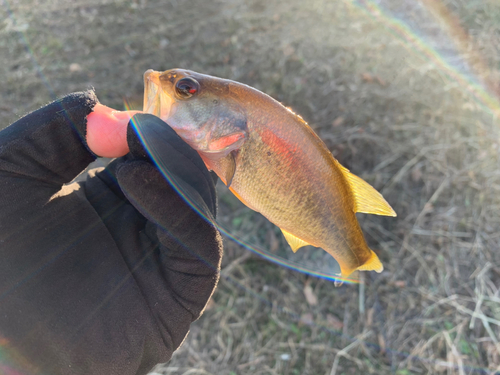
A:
(271, 160)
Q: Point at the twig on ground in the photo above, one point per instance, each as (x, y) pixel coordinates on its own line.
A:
(344, 352)
(454, 353)
(361, 293)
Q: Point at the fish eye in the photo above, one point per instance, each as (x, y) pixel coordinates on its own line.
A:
(186, 88)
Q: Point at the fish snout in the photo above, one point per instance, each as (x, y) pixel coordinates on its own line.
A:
(152, 76)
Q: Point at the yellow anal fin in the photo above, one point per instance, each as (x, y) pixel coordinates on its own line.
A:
(294, 242)
(373, 264)
(367, 199)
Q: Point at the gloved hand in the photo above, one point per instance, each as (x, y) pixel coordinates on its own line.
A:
(106, 275)
(150, 138)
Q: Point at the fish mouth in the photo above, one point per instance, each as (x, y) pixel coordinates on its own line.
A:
(156, 101)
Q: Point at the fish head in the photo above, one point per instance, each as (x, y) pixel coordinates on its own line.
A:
(203, 110)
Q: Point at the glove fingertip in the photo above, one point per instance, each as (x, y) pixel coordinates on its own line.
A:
(133, 139)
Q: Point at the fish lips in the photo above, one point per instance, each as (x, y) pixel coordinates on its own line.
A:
(156, 101)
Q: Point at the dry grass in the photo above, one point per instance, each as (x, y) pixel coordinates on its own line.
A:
(386, 109)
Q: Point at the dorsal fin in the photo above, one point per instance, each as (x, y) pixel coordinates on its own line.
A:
(367, 200)
(294, 242)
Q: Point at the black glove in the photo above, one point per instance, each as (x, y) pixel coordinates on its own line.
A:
(149, 137)
(103, 276)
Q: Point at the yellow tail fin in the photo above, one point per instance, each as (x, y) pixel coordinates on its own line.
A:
(373, 264)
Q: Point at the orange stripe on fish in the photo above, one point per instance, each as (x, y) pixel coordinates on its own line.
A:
(279, 145)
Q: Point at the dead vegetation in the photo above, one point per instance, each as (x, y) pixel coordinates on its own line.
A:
(416, 129)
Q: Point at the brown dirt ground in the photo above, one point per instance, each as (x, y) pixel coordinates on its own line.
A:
(386, 111)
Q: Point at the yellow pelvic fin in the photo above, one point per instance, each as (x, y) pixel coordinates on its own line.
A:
(294, 242)
(367, 199)
(373, 264)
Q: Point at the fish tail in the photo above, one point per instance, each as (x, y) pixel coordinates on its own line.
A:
(372, 264)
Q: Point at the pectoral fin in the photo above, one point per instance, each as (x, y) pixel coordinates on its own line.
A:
(294, 242)
(367, 199)
(231, 168)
